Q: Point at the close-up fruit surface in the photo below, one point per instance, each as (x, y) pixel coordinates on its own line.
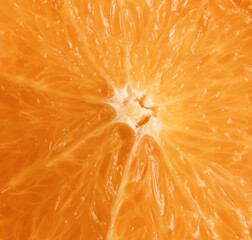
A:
(125, 120)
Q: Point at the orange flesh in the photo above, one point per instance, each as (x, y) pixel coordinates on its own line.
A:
(75, 163)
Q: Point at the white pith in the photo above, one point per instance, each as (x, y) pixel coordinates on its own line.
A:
(131, 113)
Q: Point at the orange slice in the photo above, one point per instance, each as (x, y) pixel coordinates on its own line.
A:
(125, 120)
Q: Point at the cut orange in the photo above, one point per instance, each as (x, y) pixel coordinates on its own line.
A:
(125, 120)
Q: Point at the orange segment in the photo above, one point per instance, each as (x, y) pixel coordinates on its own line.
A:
(125, 120)
(59, 190)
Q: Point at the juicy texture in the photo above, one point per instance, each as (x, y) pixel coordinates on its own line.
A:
(70, 170)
